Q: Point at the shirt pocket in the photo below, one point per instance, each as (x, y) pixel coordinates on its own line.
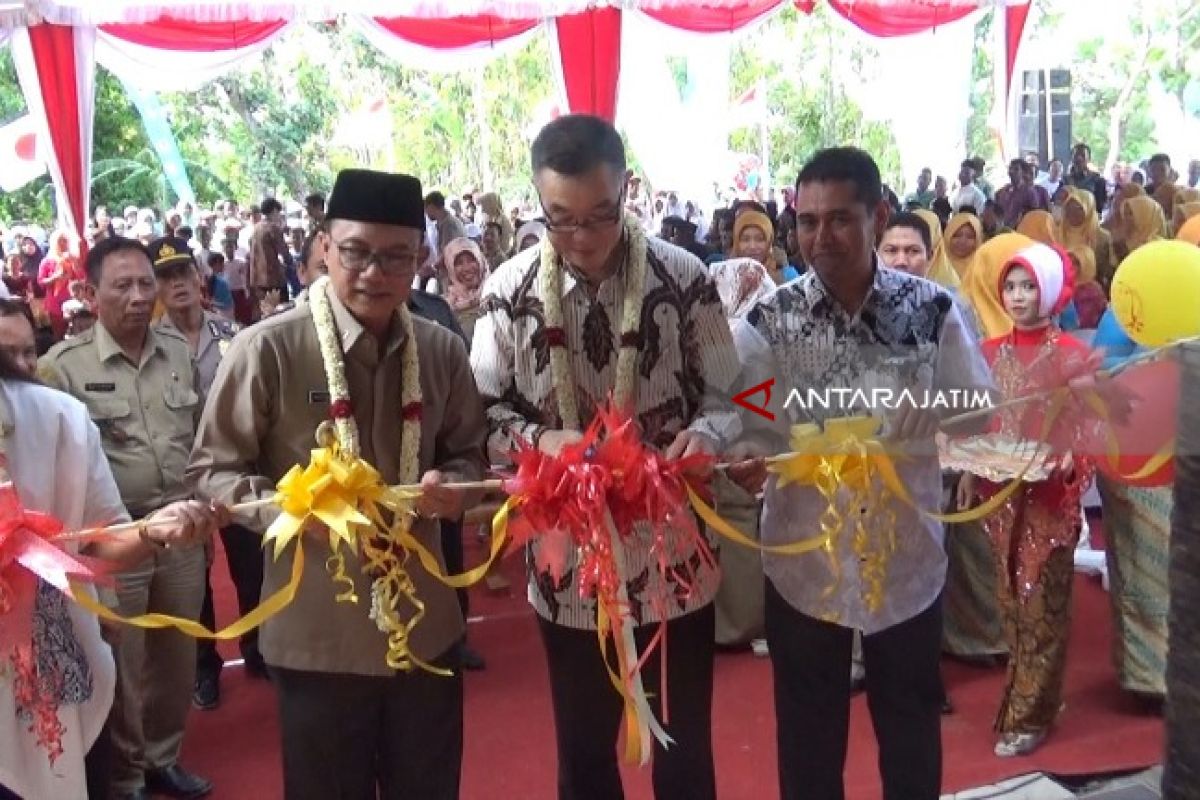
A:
(111, 416)
(181, 399)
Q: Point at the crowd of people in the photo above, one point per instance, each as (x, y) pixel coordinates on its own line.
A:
(174, 368)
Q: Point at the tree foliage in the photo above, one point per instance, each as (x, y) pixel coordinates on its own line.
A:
(807, 91)
(285, 123)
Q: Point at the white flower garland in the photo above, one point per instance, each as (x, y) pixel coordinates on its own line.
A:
(340, 408)
(562, 375)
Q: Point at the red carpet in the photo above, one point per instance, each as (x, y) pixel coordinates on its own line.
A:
(510, 739)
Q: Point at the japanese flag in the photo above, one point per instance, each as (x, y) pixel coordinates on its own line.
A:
(20, 154)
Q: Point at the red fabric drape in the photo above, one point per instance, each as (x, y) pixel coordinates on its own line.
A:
(168, 33)
(891, 18)
(1014, 26)
(455, 32)
(589, 46)
(54, 54)
(894, 17)
(706, 19)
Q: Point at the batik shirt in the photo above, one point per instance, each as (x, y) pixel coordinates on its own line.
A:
(686, 365)
(909, 335)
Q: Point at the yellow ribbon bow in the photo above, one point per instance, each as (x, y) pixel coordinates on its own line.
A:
(332, 490)
(846, 452)
(847, 455)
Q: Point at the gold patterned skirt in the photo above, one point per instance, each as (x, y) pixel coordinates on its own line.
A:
(1033, 546)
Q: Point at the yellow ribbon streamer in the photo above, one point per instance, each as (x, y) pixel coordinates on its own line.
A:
(1113, 448)
(267, 609)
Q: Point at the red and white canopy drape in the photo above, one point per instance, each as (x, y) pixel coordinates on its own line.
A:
(166, 44)
(56, 70)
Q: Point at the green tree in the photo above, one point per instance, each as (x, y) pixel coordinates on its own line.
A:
(1110, 76)
(813, 111)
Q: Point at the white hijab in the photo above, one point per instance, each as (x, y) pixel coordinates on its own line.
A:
(737, 297)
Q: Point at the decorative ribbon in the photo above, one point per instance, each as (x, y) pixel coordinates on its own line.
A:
(265, 610)
(26, 555)
(594, 498)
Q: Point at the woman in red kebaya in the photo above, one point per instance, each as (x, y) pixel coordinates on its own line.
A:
(1034, 533)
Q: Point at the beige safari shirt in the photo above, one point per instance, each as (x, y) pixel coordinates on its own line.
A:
(262, 414)
(216, 334)
(146, 412)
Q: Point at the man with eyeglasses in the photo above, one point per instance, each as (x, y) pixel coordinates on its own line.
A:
(351, 725)
(685, 364)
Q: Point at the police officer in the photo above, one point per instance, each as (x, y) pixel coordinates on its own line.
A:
(137, 383)
(208, 336)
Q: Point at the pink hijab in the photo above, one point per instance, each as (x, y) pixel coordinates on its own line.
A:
(460, 296)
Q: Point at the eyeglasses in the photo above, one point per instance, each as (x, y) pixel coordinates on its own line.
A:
(359, 259)
(594, 223)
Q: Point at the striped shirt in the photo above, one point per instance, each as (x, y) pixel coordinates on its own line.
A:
(687, 364)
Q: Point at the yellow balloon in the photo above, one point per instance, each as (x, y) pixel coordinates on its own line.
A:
(1156, 293)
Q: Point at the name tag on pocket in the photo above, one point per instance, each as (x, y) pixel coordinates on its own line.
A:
(99, 387)
(315, 397)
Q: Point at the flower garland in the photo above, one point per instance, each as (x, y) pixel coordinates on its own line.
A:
(561, 373)
(392, 584)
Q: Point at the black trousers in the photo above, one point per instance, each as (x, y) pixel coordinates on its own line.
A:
(98, 766)
(243, 552)
(354, 737)
(810, 660)
(588, 710)
(452, 551)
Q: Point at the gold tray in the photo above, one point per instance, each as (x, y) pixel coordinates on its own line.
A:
(998, 458)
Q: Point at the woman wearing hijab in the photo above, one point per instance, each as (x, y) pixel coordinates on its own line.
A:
(1090, 300)
(529, 235)
(1187, 205)
(959, 243)
(1190, 231)
(1115, 221)
(741, 283)
(493, 211)
(1039, 226)
(1143, 221)
(935, 227)
(1033, 533)
(466, 268)
(55, 274)
(1080, 229)
(981, 285)
(754, 237)
(31, 261)
(1137, 521)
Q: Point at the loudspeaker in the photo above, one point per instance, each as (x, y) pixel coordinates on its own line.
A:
(1044, 115)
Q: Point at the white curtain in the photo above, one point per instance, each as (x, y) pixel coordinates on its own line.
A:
(172, 70)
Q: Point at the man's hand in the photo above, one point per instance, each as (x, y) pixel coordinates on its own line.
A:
(964, 494)
(690, 443)
(552, 442)
(270, 301)
(747, 467)
(436, 501)
(185, 523)
(911, 423)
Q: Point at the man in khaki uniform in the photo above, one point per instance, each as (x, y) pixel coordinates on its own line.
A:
(208, 336)
(138, 386)
(353, 727)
